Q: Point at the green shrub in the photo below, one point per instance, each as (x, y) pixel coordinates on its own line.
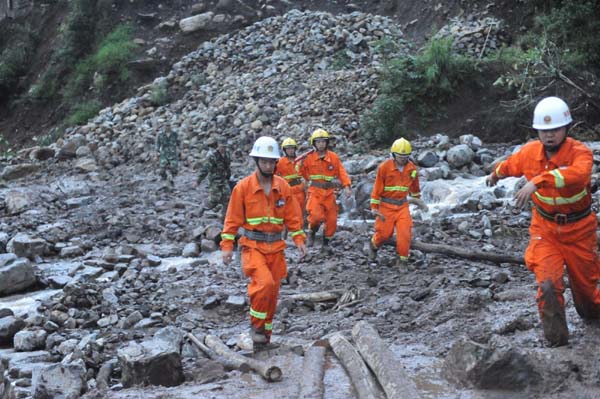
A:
(573, 26)
(415, 83)
(82, 112)
(20, 43)
(159, 94)
(341, 60)
(115, 51)
(109, 62)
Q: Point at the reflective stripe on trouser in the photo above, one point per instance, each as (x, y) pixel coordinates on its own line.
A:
(321, 208)
(265, 272)
(398, 218)
(552, 246)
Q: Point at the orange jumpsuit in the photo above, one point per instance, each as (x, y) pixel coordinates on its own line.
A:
(563, 189)
(394, 185)
(287, 169)
(320, 205)
(262, 261)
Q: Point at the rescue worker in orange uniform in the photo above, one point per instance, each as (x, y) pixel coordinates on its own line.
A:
(396, 184)
(260, 206)
(320, 168)
(288, 169)
(563, 227)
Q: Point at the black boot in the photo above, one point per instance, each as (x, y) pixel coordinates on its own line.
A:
(310, 239)
(554, 321)
(326, 249)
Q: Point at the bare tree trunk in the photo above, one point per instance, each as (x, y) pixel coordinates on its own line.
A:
(313, 369)
(362, 379)
(389, 372)
(269, 372)
(229, 364)
(463, 253)
(321, 296)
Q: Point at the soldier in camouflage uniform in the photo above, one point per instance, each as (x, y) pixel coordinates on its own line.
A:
(167, 145)
(217, 168)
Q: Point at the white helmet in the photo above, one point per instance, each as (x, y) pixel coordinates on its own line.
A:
(551, 113)
(265, 147)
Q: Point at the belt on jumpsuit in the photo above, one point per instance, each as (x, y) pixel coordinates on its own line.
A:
(294, 182)
(563, 218)
(393, 201)
(261, 236)
(320, 184)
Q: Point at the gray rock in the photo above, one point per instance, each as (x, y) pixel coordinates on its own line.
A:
(191, 250)
(9, 326)
(152, 362)
(13, 172)
(16, 202)
(208, 245)
(59, 381)
(459, 156)
(71, 251)
(498, 365)
(236, 301)
(153, 260)
(30, 340)
(24, 246)
(427, 159)
(16, 276)
(42, 153)
(197, 22)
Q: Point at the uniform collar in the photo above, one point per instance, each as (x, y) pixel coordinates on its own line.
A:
(327, 156)
(564, 147)
(258, 187)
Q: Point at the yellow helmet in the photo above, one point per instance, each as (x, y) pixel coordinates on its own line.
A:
(401, 147)
(289, 142)
(318, 134)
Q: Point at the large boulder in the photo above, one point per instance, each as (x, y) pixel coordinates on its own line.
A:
(197, 22)
(59, 381)
(24, 245)
(496, 365)
(30, 340)
(16, 202)
(460, 155)
(13, 172)
(9, 326)
(153, 362)
(16, 275)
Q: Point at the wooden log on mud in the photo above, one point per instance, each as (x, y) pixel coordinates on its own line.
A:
(268, 371)
(467, 254)
(321, 296)
(229, 364)
(389, 372)
(363, 381)
(313, 370)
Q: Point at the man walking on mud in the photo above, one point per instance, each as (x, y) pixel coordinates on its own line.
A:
(396, 185)
(320, 168)
(288, 169)
(261, 205)
(167, 145)
(563, 227)
(217, 168)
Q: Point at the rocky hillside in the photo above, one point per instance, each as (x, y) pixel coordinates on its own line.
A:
(160, 42)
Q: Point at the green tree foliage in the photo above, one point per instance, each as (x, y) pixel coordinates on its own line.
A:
(14, 55)
(415, 83)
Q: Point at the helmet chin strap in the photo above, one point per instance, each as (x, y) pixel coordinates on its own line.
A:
(263, 174)
(555, 148)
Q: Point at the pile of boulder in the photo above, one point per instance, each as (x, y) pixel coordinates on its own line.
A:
(475, 37)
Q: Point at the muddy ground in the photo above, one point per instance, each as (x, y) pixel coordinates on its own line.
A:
(422, 314)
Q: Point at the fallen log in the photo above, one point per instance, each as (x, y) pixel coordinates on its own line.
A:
(462, 253)
(229, 364)
(363, 381)
(390, 374)
(321, 296)
(269, 372)
(313, 370)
